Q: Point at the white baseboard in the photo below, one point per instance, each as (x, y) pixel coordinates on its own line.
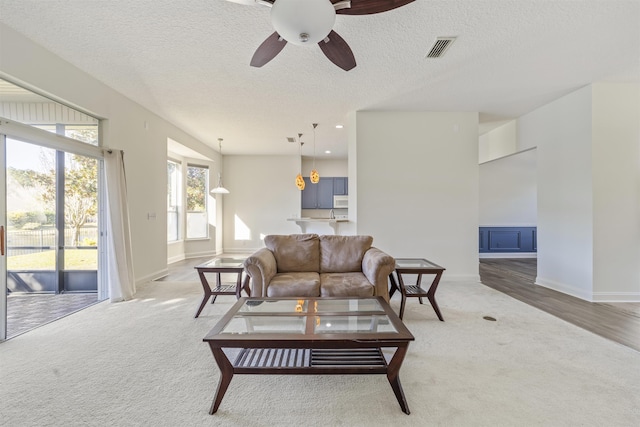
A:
(460, 277)
(201, 254)
(152, 276)
(240, 251)
(176, 258)
(564, 288)
(616, 297)
(587, 295)
(509, 255)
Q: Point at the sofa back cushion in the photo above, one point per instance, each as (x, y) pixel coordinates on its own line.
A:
(295, 252)
(343, 254)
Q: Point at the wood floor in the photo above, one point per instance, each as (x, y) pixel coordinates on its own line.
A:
(619, 322)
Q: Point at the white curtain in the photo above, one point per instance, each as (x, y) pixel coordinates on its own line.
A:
(121, 282)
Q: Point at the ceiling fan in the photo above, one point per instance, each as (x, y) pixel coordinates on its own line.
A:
(305, 22)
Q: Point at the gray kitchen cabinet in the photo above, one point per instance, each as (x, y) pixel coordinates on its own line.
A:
(318, 196)
(340, 186)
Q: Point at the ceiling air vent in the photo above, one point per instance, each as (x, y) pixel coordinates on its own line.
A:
(440, 47)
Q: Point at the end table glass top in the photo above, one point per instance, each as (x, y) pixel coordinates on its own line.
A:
(415, 263)
(223, 263)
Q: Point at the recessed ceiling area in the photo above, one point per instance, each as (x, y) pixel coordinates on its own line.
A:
(188, 62)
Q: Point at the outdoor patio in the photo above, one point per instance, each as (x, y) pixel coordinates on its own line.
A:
(26, 311)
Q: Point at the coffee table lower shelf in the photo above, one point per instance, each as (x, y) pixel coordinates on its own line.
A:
(300, 360)
(309, 361)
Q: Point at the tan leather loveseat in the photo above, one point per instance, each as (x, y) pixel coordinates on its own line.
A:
(309, 265)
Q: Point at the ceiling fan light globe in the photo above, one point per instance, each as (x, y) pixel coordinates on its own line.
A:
(303, 22)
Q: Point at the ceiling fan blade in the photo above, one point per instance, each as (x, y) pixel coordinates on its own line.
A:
(338, 51)
(367, 7)
(268, 50)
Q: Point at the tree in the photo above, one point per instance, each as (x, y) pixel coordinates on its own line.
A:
(80, 189)
(80, 193)
(196, 188)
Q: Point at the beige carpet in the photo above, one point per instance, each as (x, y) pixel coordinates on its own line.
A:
(143, 363)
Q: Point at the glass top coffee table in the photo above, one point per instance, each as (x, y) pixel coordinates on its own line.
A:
(321, 336)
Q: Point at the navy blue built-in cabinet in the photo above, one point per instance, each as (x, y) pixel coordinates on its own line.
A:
(507, 239)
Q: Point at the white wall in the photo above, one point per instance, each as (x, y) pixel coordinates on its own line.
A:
(262, 196)
(127, 126)
(326, 167)
(508, 191)
(562, 132)
(588, 191)
(616, 191)
(500, 142)
(417, 186)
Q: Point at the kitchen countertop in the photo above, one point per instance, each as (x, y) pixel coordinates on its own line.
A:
(304, 221)
(309, 219)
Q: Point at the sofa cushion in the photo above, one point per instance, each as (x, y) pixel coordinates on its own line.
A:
(294, 285)
(345, 285)
(343, 254)
(295, 252)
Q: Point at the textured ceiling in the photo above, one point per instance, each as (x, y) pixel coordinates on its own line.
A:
(188, 61)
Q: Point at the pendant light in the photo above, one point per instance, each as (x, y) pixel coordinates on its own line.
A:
(220, 189)
(314, 176)
(299, 180)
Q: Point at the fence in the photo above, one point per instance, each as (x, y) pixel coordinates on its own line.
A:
(22, 242)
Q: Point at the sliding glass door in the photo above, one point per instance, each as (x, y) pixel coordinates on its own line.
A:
(3, 250)
(51, 228)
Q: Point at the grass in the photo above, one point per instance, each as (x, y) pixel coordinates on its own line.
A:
(74, 259)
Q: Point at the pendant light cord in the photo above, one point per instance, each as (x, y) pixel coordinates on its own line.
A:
(314, 145)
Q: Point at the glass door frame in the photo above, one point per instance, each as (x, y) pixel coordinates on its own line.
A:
(3, 225)
(25, 133)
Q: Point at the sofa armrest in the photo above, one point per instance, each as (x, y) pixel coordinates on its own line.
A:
(261, 267)
(377, 266)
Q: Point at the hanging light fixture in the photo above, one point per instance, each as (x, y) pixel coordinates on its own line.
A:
(220, 189)
(314, 176)
(299, 180)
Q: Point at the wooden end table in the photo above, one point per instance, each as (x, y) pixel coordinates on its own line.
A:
(218, 266)
(309, 336)
(417, 266)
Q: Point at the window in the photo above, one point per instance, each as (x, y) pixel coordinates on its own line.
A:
(197, 180)
(173, 201)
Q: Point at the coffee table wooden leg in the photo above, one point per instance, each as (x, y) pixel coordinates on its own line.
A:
(402, 304)
(394, 378)
(226, 374)
(240, 284)
(207, 292)
(431, 294)
(394, 285)
(245, 285)
(403, 295)
(434, 304)
(203, 303)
